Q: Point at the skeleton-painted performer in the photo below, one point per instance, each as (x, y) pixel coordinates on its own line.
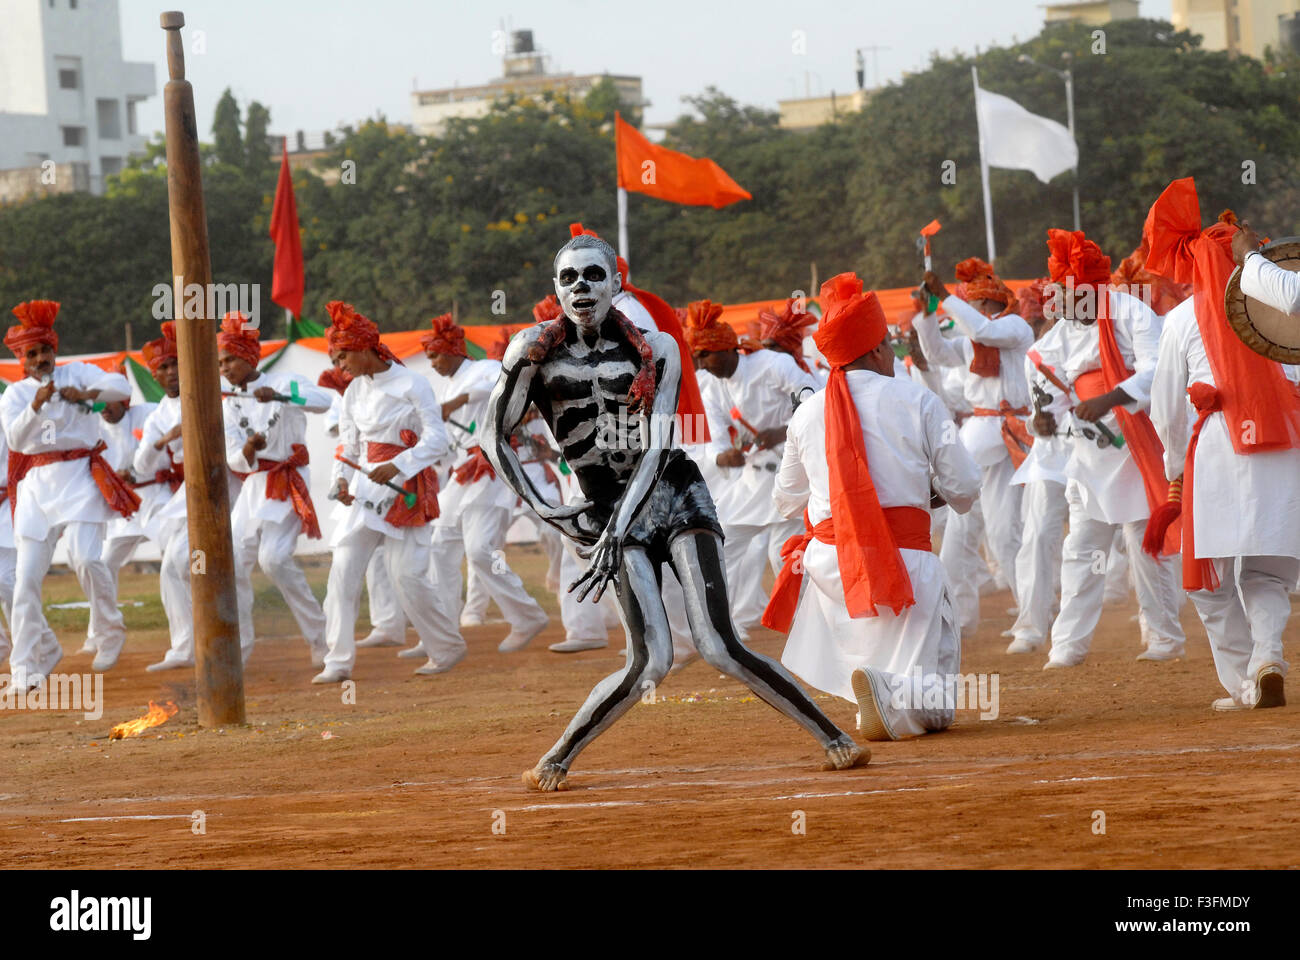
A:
(266, 438)
(646, 503)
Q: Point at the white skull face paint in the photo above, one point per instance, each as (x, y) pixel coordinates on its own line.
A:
(585, 286)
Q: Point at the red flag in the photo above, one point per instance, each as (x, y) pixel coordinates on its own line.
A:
(644, 167)
(287, 280)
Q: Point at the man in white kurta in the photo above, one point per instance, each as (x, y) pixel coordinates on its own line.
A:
(49, 416)
(987, 349)
(1263, 279)
(475, 506)
(390, 423)
(266, 438)
(1104, 487)
(912, 452)
(750, 393)
(159, 460)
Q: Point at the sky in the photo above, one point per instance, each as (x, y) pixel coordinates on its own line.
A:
(318, 64)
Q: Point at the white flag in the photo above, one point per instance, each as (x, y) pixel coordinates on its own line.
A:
(1016, 139)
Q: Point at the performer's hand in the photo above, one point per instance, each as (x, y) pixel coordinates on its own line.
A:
(264, 395)
(73, 395)
(606, 561)
(341, 493)
(168, 437)
(1243, 242)
(915, 352)
(731, 458)
(383, 473)
(126, 476)
(934, 285)
(43, 393)
(1044, 424)
(772, 437)
(1097, 407)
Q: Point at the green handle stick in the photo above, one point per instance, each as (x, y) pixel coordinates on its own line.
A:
(407, 496)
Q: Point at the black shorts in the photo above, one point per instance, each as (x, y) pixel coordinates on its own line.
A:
(680, 501)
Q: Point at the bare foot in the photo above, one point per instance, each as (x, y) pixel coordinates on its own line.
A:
(546, 777)
(844, 753)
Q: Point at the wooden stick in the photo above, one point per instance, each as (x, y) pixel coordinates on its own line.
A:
(218, 667)
(407, 496)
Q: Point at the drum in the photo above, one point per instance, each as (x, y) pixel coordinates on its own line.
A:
(1264, 329)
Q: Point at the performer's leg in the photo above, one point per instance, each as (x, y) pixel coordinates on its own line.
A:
(1083, 577)
(174, 591)
(275, 557)
(1117, 571)
(1038, 563)
(1263, 583)
(1159, 597)
(1001, 501)
(8, 561)
(697, 558)
(485, 540)
(648, 658)
(343, 600)
(85, 556)
(387, 622)
(477, 599)
(1227, 627)
(32, 653)
(117, 552)
(745, 557)
(431, 610)
(244, 532)
(959, 554)
(584, 623)
(443, 619)
(552, 544)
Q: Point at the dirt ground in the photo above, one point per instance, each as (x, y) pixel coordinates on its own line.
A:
(425, 772)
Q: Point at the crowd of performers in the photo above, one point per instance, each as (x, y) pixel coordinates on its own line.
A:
(1099, 431)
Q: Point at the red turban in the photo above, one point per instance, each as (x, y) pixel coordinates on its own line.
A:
(445, 337)
(1031, 298)
(238, 338)
(548, 309)
(36, 325)
(1071, 254)
(853, 322)
(704, 329)
(502, 343)
(349, 330)
(871, 567)
(785, 330)
(981, 283)
(334, 379)
(164, 348)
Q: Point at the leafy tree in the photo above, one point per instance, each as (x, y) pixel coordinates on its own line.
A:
(257, 150)
(226, 136)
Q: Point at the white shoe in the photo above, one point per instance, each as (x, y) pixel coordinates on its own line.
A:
(1228, 705)
(1008, 632)
(378, 640)
(574, 646)
(471, 621)
(53, 660)
(106, 657)
(167, 663)
(412, 653)
(1058, 665)
(518, 639)
(87, 647)
(1023, 646)
(332, 675)
(869, 689)
(1160, 656)
(432, 668)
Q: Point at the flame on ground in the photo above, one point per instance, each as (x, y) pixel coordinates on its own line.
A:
(157, 714)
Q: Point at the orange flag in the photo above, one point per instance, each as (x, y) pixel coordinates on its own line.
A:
(644, 167)
(286, 278)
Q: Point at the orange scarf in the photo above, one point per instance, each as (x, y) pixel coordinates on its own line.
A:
(116, 492)
(284, 482)
(424, 484)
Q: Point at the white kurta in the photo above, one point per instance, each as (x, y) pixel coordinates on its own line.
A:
(376, 409)
(1244, 505)
(58, 425)
(910, 445)
(1266, 281)
(162, 505)
(475, 379)
(1109, 482)
(122, 440)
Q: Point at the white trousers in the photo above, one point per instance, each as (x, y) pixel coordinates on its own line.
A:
(582, 621)
(386, 617)
(35, 648)
(270, 543)
(1085, 557)
(478, 535)
(749, 550)
(1038, 564)
(407, 563)
(8, 565)
(1002, 520)
(477, 595)
(174, 589)
(1245, 618)
(962, 564)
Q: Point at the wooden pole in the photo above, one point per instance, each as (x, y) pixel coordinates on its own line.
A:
(218, 667)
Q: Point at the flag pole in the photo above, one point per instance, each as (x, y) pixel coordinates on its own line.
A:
(984, 170)
(622, 227)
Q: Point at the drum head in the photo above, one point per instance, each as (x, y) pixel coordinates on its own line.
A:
(1265, 330)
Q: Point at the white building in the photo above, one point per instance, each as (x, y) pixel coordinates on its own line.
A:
(66, 95)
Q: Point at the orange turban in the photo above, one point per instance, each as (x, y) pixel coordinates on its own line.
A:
(1071, 254)
(548, 309)
(502, 343)
(238, 338)
(1135, 279)
(445, 337)
(1031, 298)
(704, 329)
(785, 330)
(36, 325)
(349, 330)
(164, 348)
(853, 322)
(333, 378)
(981, 283)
